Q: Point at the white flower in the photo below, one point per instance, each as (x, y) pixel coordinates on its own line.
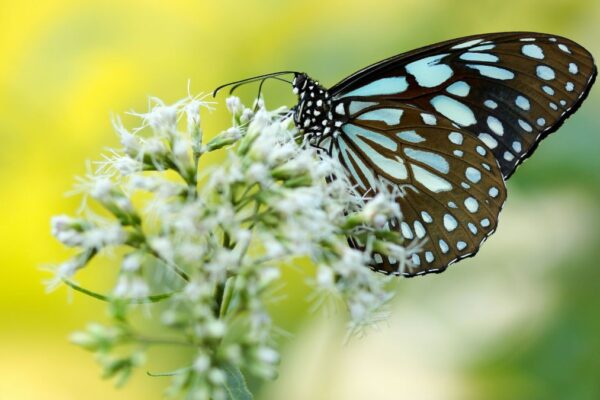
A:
(246, 116)
(155, 148)
(102, 189)
(269, 275)
(163, 246)
(126, 165)
(130, 142)
(201, 363)
(192, 112)
(234, 105)
(258, 172)
(325, 276)
(132, 262)
(380, 208)
(216, 328)
(217, 376)
(110, 235)
(214, 251)
(268, 355)
(160, 117)
(131, 286)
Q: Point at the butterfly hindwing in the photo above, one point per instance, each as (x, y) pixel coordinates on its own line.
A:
(510, 90)
(451, 188)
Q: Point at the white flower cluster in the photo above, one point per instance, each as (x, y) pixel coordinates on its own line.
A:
(205, 247)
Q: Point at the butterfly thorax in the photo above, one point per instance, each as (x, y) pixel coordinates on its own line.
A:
(313, 113)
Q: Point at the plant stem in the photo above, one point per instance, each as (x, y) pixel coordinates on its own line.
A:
(150, 299)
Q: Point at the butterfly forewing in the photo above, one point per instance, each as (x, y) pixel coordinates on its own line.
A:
(509, 90)
(451, 188)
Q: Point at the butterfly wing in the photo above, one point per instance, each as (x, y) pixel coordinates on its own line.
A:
(451, 187)
(508, 89)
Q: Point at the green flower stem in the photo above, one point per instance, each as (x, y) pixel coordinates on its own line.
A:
(171, 265)
(170, 373)
(161, 342)
(150, 299)
(227, 296)
(141, 242)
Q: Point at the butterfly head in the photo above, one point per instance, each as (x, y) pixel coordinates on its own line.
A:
(313, 113)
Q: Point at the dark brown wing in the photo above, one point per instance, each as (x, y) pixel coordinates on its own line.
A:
(508, 89)
(451, 186)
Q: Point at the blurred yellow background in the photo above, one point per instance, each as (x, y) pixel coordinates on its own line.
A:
(519, 321)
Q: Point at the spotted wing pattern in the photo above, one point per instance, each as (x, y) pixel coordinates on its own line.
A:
(451, 188)
(510, 90)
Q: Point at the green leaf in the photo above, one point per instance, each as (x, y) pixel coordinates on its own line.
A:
(236, 384)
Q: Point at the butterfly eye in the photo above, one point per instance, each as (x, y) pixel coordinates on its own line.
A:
(299, 82)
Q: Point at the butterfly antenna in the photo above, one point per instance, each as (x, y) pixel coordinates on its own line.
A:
(236, 84)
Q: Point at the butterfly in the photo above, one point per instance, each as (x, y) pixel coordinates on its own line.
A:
(446, 125)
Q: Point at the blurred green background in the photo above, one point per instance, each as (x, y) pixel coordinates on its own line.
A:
(520, 321)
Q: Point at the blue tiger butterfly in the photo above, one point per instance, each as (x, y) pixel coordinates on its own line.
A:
(446, 124)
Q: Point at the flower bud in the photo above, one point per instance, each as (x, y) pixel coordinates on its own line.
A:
(226, 138)
(234, 105)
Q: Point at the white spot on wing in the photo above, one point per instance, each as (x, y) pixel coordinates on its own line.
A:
(392, 85)
(450, 222)
(523, 103)
(495, 125)
(459, 88)
(443, 246)
(471, 204)
(467, 44)
(454, 110)
(428, 119)
(433, 160)
(410, 136)
(357, 106)
(563, 47)
(569, 86)
(354, 131)
(545, 72)
(473, 174)
(406, 231)
(526, 127)
(482, 57)
(533, 51)
(430, 181)
(488, 140)
(391, 116)
(429, 72)
(420, 230)
(472, 228)
(483, 47)
(456, 138)
(426, 217)
(416, 260)
(548, 90)
(516, 145)
(493, 72)
(573, 68)
(490, 104)
(429, 256)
